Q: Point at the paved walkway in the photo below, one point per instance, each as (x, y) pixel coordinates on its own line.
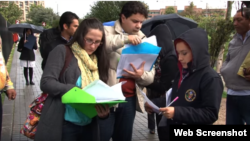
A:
(15, 112)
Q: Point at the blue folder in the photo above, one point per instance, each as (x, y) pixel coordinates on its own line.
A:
(135, 53)
(110, 23)
(31, 42)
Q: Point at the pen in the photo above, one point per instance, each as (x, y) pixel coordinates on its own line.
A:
(170, 103)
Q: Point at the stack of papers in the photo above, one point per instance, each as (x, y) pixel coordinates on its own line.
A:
(147, 51)
(97, 92)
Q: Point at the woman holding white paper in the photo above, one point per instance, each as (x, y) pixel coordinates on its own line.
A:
(88, 63)
(198, 86)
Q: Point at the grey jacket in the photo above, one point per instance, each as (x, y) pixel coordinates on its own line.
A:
(237, 51)
(52, 117)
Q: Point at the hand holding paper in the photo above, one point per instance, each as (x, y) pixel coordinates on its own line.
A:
(95, 93)
(144, 52)
(137, 73)
(134, 39)
(149, 102)
(102, 110)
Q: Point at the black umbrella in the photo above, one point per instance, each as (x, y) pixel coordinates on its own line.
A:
(176, 24)
(18, 28)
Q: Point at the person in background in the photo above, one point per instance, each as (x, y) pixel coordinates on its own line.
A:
(27, 57)
(165, 71)
(68, 24)
(238, 88)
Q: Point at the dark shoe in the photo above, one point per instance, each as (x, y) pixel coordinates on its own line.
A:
(27, 83)
(152, 131)
(32, 83)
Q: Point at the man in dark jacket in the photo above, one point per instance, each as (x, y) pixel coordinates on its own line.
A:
(165, 70)
(68, 24)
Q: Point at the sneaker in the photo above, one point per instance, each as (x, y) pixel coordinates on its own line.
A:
(32, 83)
(27, 83)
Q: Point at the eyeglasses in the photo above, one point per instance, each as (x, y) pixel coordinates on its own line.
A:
(90, 42)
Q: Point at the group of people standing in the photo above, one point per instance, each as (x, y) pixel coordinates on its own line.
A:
(182, 68)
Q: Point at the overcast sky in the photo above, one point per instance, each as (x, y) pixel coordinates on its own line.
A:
(81, 7)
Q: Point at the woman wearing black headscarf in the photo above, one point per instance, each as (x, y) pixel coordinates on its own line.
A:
(166, 69)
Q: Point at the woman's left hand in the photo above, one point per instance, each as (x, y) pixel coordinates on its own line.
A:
(102, 111)
(168, 112)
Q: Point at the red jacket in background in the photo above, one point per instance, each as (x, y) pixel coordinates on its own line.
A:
(15, 37)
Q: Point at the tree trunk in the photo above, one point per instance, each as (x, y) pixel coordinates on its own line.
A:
(221, 54)
(220, 60)
(229, 10)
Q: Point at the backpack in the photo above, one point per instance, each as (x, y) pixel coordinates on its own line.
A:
(46, 37)
(30, 125)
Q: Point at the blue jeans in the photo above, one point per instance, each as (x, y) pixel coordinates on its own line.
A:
(72, 132)
(119, 124)
(238, 110)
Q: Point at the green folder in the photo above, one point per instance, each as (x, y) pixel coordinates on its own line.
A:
(84, 102)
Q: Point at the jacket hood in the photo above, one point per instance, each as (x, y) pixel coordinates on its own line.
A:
(164, 40)
(197, 41)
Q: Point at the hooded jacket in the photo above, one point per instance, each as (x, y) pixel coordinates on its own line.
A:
(168, 62)
(201, 91)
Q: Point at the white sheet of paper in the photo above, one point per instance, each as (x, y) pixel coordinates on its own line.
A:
(137, 60)
(163, 121)
(155, 108)
(168, 96)
(103, 93)
(152, 40)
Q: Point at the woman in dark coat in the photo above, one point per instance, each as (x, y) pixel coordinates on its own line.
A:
(165, 70)
(198, 86)
(27, 57)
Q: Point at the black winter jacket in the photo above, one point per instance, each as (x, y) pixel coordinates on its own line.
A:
(26, 54)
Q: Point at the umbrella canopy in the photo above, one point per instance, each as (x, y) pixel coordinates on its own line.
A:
(176, 24)
(110, 23)
(18, 28)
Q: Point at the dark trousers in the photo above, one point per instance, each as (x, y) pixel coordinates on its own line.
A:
(119, 124)
(72, 132)
(238, 110)
(151, 121)
(162, 131)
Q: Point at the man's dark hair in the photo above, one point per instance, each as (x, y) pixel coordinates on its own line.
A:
(67, 18)
(246, 12)
(133, 7)
(101, 54)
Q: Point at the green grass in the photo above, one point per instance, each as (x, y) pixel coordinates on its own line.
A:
(9, 63)
(224, 95)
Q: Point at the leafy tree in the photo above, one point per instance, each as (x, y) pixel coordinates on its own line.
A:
(190, 12)
(39, 14)
(10, 11)
(170, 10)
(219, 37)
(107, 10)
